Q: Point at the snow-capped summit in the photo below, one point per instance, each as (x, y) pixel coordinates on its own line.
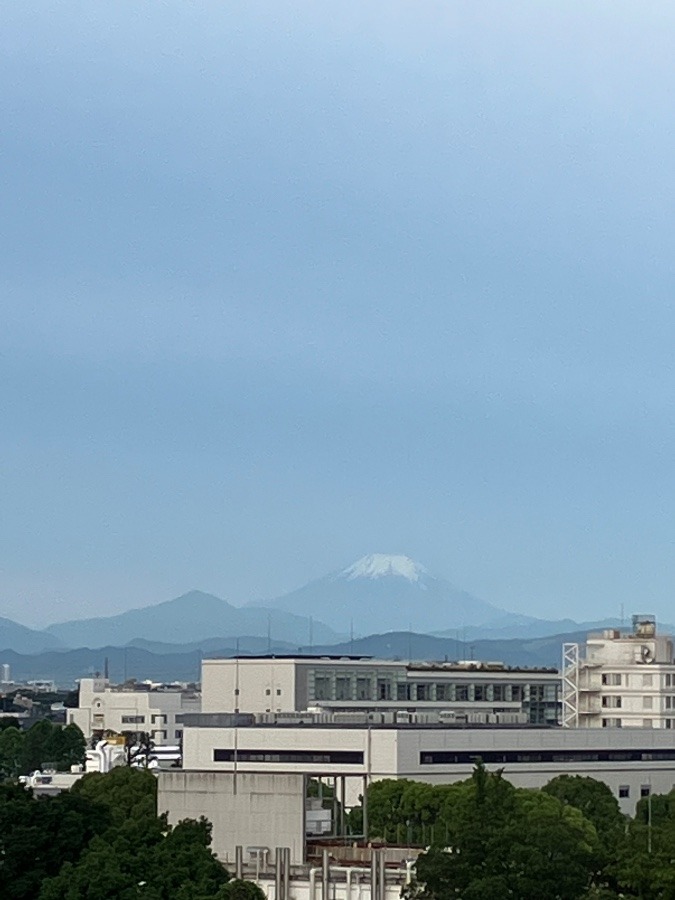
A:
(378, 565)
(389, 592)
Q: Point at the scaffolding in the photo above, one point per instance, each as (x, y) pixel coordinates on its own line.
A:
(570, 685)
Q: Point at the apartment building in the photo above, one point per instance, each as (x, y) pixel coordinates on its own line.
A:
(620, 679)
(137, 707)
(469, 689)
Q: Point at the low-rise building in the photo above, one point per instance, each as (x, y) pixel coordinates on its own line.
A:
(139, 708)
(278, 684)
(249, 775)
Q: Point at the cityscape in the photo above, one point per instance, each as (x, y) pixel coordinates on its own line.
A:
(337, 450)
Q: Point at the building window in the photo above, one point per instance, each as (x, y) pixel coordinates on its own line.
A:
(159, 720)
(647, 703)
(611, 702)
(479, 693)
(423, 691)
(462, 693)
(403, 691)
(517, 693)
(278, 692)
(179, 734)
(647, 723)
(159, 735)
(343, 687)
(624, 791)
(499, 693)
(647, 680)
(322, 687)
(383, 689)
(668, 681)
(363, 689)
(267, 692)
(645, 790)
(611, 678)
(611, 723)
(133, 720)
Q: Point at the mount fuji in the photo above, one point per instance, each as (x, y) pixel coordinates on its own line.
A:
(387, 592)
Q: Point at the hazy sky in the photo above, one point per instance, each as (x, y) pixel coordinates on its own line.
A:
(286, 283)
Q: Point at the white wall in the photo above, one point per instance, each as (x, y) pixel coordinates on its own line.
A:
(261, 810)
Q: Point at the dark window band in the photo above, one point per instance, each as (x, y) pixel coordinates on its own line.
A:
(444, 757)
(354, 757)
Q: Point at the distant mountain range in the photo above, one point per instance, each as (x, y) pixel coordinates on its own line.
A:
(183, 662)
(424, 617)
(192, 617)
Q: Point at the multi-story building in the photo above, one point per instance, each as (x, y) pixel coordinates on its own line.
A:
(620, 679)
(144, 707)
(471, 690)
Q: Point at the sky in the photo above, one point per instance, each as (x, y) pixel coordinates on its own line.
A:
(283, 284)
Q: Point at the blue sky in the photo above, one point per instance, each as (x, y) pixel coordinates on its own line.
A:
(282, 284)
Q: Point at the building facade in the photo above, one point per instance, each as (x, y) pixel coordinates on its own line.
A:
(146, 708)
(249, 775)
(620, 679)
(294, 684)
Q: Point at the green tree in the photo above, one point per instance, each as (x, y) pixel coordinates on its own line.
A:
(11, 752)
(505, 842)
(143, 858)
(237, 889)
(594, 799)
(37, 835)
(68, 747)
(126, 793)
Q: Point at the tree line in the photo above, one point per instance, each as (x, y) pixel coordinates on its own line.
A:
(103, 840)
(43, 744)
(485, 839)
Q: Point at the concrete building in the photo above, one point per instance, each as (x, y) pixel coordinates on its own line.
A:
(143, 707)
(249, 775)
(620, 679)
(346, 683)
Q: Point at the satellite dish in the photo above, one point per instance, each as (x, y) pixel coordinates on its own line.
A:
(647, 654)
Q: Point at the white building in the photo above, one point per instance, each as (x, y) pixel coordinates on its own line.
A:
(274, 684)
(249, 775)
(138, 708)
(620, 679)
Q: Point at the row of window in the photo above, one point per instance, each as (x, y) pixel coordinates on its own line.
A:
(612, 701)
(344, 687)
(449, 757)
(445, 757)
(347, 757)
(140, 720)
(645, 679)
(646, 723)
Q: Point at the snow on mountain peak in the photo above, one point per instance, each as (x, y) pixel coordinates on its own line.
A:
(377, 565)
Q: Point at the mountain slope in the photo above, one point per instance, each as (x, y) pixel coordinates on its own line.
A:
(25, 640)
(190, 618)
(392, 591)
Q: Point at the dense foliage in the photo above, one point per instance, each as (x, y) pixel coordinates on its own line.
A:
(488, 840)
(43, 744)
(105, 841)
